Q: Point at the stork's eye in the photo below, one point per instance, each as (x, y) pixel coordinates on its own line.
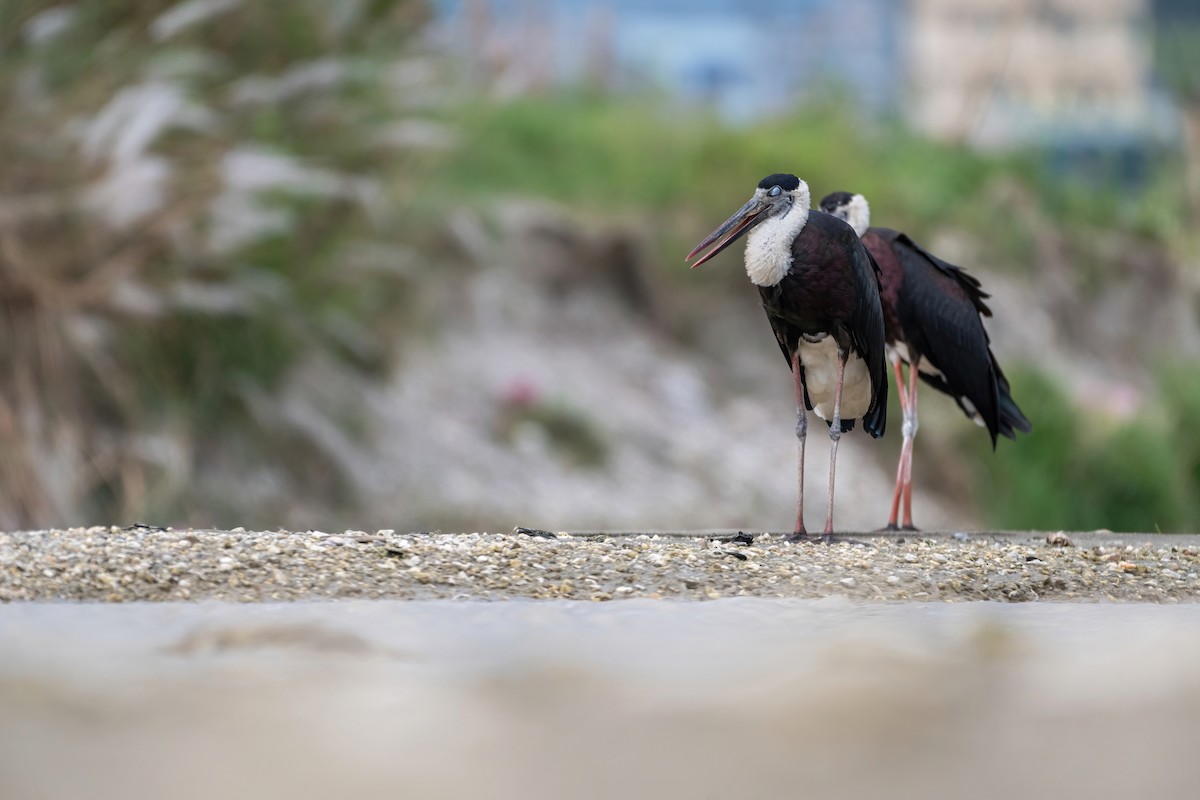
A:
(775, 191)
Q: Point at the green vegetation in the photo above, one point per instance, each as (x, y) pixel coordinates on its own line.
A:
(1081, 471)
(632, 156)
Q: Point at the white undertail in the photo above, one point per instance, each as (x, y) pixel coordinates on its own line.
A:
(769, 244)
(820, 378)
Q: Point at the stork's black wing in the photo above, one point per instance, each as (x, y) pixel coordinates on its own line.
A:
(940, 307)
(969, 283)
(1012, 419)
(866, 332)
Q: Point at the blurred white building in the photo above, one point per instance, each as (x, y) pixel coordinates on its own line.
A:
(1000, 72)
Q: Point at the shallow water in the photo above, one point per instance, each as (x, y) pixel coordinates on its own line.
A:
(731, 698)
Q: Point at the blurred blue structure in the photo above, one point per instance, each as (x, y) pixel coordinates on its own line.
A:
(747, 59)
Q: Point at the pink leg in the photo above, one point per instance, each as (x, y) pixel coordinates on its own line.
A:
(835, 435)
(801, 435)
(910, 433)
(893, 517)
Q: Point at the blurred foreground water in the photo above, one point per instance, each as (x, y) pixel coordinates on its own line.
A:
(731, 698)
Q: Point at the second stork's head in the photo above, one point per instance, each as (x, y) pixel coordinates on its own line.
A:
(778, 197)
(852, 208)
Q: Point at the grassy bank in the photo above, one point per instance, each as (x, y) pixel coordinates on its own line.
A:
(687, 168)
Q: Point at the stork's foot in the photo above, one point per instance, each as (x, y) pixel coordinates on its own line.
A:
(892, 527)
(833, 538)
(805, 536)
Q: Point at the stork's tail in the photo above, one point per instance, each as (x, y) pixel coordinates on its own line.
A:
(1012, 419)
(875, 420)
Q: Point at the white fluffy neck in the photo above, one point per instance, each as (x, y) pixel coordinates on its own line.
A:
(858, 214)
(769, 244)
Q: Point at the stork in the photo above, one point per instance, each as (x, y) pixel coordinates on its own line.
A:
(820, 290)
(933, 323)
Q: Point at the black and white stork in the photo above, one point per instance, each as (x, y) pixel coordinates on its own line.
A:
(820, 290)
(933, 314)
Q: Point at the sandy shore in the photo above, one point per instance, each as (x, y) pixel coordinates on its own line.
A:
(146, 563)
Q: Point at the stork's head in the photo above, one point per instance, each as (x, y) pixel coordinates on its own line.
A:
(776, 196)
(851, 207)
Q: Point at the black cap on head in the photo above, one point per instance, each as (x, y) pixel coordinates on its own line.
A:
(781, 179)
(835, 200)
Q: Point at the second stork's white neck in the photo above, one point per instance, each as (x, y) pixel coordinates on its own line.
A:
(769, 244)
(858, 214)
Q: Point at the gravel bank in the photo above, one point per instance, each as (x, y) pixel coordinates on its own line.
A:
(144, 563)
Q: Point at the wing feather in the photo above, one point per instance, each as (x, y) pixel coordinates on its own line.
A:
(866, 332)
(940, 308)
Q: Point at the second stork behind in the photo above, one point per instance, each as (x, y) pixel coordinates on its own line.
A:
(932, 312)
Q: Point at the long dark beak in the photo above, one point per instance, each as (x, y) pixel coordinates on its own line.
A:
(730, 231)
